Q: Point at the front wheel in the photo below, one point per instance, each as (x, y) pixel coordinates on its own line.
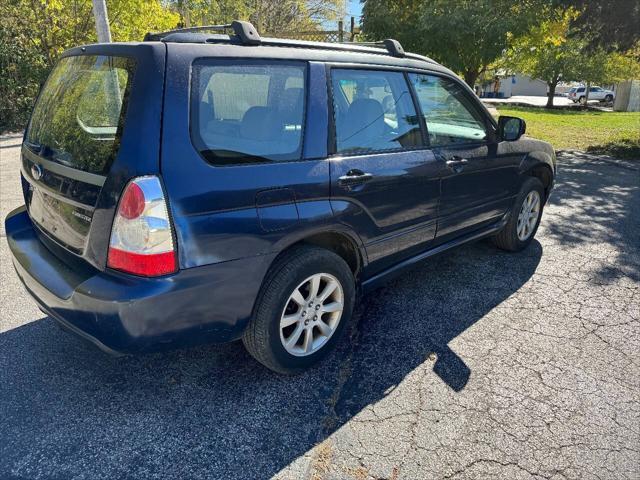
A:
(608, 98)
(524, 219)
(306, 301)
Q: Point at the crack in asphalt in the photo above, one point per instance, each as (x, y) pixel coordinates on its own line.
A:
(477, 364)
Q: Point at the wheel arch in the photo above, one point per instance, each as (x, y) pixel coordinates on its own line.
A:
(539, 165)
(543, 172)
(337, 240)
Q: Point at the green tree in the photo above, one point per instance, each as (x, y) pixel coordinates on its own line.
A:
(554, 50)
(549, 52)
(33, 34)
(209, 12)
(22, 69)
(268, 16)
(613, 25)
(465, 35)
(621, 66)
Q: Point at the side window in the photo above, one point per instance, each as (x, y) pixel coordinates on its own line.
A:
(373, 111)
(449, 113)
(247, 113)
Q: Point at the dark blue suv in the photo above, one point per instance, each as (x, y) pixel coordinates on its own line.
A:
(202, 187)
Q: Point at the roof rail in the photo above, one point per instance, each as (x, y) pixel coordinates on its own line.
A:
(247, 34)
(392, 46)
(245, 31)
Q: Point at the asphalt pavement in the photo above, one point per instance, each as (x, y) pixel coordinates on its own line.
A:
(477, 364)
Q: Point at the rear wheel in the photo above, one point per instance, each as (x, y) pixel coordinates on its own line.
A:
(524, 218)
(608, 98)
(582, 100)
(305, 303)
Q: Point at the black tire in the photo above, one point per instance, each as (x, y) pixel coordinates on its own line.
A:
(582, 100)
(608, 99)
(262, 336)
(507, 239)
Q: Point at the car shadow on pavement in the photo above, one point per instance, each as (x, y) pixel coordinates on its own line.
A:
(69, 410)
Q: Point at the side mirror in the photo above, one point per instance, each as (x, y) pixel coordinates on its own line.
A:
(511, 129)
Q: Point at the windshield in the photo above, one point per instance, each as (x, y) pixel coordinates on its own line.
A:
(80, 111)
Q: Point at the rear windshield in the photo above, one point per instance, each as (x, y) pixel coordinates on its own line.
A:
(246, 112)
(80, 112)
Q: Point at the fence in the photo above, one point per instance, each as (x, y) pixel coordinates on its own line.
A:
(330, 36)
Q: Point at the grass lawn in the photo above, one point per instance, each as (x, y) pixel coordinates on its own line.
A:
(611, 133)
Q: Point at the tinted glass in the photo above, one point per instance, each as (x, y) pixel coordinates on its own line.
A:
(80, 110)
(248, 113)
(448, 111)
(373, 111)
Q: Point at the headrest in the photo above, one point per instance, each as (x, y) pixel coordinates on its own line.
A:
(291, 99)
(260, 123)
(364, 119)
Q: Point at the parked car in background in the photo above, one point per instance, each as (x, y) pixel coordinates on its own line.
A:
(202, 187)
(579, 94)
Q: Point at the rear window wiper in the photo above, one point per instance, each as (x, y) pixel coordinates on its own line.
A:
(44, 151)
(34, 147)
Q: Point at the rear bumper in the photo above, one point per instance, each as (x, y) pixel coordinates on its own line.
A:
(126, 314)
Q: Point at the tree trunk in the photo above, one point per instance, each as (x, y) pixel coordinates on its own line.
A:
(586, 94)
(470, 77)
(551, 93)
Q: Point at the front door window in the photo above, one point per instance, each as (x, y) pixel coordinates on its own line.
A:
(448, 112)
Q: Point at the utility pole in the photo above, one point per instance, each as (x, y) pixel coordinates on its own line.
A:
(102, 21)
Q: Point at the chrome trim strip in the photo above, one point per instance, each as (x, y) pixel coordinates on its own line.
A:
(60, 169)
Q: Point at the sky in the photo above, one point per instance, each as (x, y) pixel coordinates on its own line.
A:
(354, 9)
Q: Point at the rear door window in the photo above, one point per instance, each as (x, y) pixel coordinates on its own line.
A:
(373, 111)
(80, 112)
(245, 112)
(448, 110)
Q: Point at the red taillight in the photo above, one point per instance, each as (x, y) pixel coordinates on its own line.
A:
(141, 238)
(132, 202)
(138, 264)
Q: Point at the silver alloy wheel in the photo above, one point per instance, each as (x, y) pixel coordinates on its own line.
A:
(311, 315)
(528, 216)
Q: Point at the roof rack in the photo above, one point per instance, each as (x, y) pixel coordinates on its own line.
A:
(245, 31)
(247, 34)
(392, 46)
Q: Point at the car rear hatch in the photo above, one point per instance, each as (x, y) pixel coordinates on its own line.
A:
(83, 142)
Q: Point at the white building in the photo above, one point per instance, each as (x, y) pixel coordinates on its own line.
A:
(627, 96)
(509, 85)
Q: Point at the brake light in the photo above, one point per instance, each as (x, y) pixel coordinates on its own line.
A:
(141, 237)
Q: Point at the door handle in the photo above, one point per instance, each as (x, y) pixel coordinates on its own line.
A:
(354, 177)
(457, 164)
